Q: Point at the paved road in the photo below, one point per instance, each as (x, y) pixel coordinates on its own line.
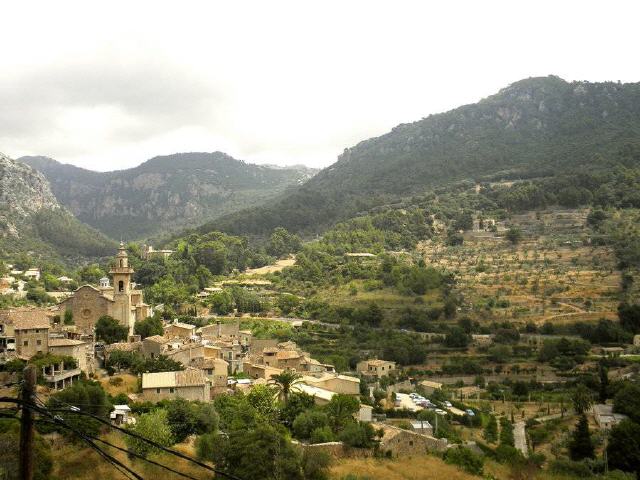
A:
(520, 437)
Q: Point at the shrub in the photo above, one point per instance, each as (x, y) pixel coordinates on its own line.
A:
(466, 459)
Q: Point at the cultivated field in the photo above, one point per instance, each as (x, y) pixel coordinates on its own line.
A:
(553, 274)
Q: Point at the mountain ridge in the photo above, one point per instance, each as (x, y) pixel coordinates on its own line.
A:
(178, 190)
(536, 126)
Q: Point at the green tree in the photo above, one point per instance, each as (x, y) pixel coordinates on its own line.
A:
(603, 387)
(154, 426)
(491, 430)
(262, 399)
(68, 317)
(9, 453)
(89, 397)
(466, 459)
(629, 316)
(358, 434)
(284, 382)
(307, 422)
(148, 327)
(514, 235)
(581, 446)
(582, 398)
(627, 401)
(262, 453)
(457, 338)
(182, 417)
(221, 303)
(110, 331)
(282, 243)
(341, 409)
(623, 449)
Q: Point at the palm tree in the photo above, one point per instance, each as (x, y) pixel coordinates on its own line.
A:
(283, 383)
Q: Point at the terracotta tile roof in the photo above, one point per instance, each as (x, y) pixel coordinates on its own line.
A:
(64, 342)
(16, 315)
(288, 355)
(30, 323)
(191, 377)
(157, 339)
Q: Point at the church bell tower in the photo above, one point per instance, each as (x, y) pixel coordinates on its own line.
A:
(121, 273)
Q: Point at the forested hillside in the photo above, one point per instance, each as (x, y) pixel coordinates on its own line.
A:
(167, 192)
(31, 220)
(536, 128)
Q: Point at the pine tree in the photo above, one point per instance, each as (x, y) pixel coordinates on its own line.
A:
(604, 382)
(581, 446)
(491, 430)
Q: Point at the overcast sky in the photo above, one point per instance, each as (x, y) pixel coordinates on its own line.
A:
(277, 82)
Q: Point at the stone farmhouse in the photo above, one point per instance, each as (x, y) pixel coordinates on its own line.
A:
(190, 384)
(122, 301)
(375, 368)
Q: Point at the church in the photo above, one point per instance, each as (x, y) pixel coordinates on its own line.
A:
(120, 301)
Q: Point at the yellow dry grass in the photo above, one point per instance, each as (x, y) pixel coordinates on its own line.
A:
(413, 468)
(77, 462)
(113, 387)
(276, 267)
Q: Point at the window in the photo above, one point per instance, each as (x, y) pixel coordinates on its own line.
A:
(26, 343)
(172, 390)
(121, 286)
(121, 263)
(157, 390)
(38, 342)
(411, 443)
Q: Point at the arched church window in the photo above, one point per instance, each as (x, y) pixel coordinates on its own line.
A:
(121, 263)
(121, 286)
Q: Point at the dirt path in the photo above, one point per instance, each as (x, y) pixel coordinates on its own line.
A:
(520, 437)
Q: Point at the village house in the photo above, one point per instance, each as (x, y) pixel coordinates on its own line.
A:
(181, 330)
(429, 387)
(375, 368)
(216, 371)
(422, 426)
(23, 317)
(334, 382)
(605, 417)
(81, 352)
(31, 336)
(190, 384)
(149, 252)
(155, 346)
(59, 376)
(122, 301)
(256, 371)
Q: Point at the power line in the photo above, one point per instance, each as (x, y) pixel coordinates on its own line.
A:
(77, 411)
(125, 470)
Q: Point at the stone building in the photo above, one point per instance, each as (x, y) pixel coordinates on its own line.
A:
(376, 368)
(190, 384)
(81, 352)
(22, 317)
(402, 443)
(120, 301)
(32, 336)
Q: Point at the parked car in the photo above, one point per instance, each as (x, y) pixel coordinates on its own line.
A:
(447, 404)
(470, 412)
(439, 411)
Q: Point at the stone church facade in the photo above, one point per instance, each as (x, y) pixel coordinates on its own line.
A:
(120, 301)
